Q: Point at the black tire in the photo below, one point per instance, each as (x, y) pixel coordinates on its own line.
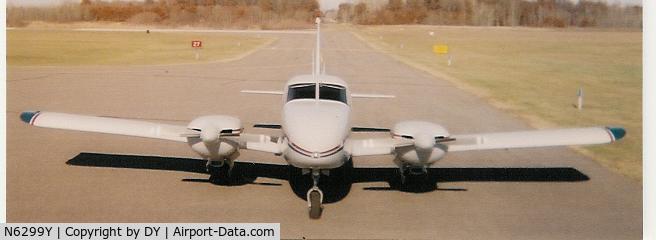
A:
(315, 205)
(222, 175)
(416, 183)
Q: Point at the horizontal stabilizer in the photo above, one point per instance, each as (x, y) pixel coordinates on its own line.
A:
(353, 129)
(355, 95)
(262, 92)
(270, 126)
(361, 95)
(369, 129)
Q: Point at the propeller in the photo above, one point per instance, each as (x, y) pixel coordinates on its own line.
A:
(424, 141)
(209, 134)
(441, 139)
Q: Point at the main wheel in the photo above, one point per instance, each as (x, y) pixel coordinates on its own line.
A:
(222, 175)
(413, 182)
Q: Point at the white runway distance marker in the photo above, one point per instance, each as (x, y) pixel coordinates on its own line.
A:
(579, 95)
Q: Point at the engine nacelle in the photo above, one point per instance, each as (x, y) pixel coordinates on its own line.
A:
(213, 141)
(425, 151)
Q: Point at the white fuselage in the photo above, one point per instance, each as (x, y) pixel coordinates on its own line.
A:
(315, 129)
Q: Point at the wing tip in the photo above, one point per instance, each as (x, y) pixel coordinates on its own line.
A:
(29, 116)
(617, 132)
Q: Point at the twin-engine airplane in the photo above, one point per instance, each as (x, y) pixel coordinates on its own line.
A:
(316, 128)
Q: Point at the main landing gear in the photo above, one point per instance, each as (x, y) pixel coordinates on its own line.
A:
(315, 197)
(411, 174)
(221, 172)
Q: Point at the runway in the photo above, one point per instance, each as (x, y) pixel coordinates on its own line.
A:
(63, 176)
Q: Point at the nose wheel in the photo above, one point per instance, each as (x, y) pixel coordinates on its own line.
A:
(315, 197)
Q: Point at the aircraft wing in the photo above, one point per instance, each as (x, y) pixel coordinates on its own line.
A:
(136, 128)
(375, 146)
(535, 138)
(496, 140)
(105, 125)
(260, 142)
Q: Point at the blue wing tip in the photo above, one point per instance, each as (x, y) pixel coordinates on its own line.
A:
(27, 116)
(617, 132)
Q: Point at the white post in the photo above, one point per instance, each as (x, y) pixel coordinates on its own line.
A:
(579, 93)
(449, 60)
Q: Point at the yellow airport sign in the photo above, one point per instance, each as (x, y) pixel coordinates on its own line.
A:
(440, 49)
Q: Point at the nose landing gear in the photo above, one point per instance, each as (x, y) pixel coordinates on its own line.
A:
(315, 202)
(315, 197)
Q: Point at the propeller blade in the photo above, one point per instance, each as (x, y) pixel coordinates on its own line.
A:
(442, 139)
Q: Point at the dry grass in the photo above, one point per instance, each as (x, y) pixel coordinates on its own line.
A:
(30, 47)
(535, 73)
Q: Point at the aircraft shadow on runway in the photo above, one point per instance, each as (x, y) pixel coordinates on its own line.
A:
(334, 189)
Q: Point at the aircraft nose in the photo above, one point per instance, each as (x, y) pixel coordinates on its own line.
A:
(314, 144)
(315, 138)
(316, 127)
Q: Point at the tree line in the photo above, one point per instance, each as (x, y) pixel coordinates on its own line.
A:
(265, 14)
(540, 13)
(279, 14)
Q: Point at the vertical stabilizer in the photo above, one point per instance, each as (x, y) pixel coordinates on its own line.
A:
(317, 59)
(317, 50)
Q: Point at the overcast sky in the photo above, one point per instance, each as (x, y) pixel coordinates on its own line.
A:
(325, 4)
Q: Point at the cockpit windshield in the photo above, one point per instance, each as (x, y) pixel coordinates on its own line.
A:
(326, 92)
